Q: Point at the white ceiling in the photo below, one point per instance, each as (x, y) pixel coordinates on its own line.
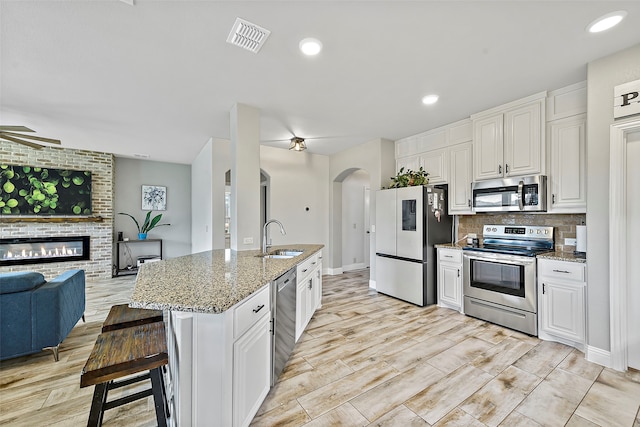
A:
(159, 78)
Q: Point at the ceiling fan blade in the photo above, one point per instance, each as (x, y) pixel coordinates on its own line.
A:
(4, 136)
(15, 129)
(37, 138)
(277, 140)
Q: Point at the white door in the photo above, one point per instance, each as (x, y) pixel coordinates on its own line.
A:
(386, 222)
(633, 236)
(410, 222)
(367, 225)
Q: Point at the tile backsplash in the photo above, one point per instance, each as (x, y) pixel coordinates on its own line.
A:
(564, 225)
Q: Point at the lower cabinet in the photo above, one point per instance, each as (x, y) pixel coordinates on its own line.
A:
(308, 291)
(251, 371)
(450, 278)
(561, 302)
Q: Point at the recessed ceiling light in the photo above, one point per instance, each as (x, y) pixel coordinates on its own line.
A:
(310, 46)
(606, 21)
(430, 99)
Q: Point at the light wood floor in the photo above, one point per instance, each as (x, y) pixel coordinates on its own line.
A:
(365, 359)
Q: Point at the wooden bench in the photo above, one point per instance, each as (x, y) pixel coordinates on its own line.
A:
(123, 352)
(122, 316)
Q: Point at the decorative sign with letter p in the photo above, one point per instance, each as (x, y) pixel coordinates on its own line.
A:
(626, 101)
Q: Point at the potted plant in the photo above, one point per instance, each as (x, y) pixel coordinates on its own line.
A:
(409, 178)
(147, 225)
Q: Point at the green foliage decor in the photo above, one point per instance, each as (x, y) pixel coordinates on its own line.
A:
(31, 190)
(409, 178)
(148, 224)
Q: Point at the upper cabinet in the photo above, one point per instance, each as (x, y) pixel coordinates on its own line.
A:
(460, 177)
(510, 140)
(566, 148)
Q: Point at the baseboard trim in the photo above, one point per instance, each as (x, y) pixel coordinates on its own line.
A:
(351, 267)
(599, 356)
(372, 284)
(334, 271)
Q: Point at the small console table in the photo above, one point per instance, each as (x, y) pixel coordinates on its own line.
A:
(133, 269)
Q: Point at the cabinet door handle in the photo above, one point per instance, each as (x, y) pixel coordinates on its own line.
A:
(506, 168)
(258, 308)
(543, 289)
(469, 202)
(458, 272)
(448, 256)
(305, 270)
(499, 168)
(310, 284)
(553, 198)
(313, 263)
(561, 271)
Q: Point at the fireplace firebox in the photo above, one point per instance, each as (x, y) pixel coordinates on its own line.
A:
(39, 250)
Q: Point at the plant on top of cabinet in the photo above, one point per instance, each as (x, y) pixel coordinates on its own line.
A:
(409, 178)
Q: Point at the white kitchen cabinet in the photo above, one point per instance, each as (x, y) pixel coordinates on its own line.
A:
(308, 291)
(567, 161)
(411, 162)
(460, 178)
(251, 371)
(509, 140)
(450, 278)
(561, 302)
(434, 162)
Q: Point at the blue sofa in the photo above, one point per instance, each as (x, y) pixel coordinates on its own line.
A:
(36, 314)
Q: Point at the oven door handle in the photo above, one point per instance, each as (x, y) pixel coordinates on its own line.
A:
(501, 260)
(521, 193)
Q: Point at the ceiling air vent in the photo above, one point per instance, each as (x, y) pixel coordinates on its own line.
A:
(247, 35)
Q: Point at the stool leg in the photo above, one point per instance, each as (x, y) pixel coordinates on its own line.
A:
(99, 398)
(158, 396)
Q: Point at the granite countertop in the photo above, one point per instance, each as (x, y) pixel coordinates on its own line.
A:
(211, 281)
(562, 256)
(448, 246)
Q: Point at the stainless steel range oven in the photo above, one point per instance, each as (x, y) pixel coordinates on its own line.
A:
(500, 277)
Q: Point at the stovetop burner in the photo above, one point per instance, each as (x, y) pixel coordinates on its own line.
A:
(515, 240)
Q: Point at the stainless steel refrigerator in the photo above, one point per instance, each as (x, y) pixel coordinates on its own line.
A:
(409, 222)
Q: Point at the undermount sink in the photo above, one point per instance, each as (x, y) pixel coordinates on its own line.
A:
(287, 252)
(281, 254)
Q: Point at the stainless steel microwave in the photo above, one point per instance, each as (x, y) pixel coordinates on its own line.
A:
(518, 194)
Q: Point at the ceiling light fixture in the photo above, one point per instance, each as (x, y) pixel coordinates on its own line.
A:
(430, 99)
(310, 46)
(606, 21)
(297, 144)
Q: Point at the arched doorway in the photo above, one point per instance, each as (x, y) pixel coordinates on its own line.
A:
(351, 220)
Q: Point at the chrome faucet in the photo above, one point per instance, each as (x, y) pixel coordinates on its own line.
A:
(264, 233)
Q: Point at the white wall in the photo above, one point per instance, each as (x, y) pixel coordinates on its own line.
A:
(353, 231)
(207, 195)
(603, 75)
(130, 175)
(377, 157)
(297, 181)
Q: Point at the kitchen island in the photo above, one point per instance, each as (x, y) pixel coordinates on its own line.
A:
(219, 329)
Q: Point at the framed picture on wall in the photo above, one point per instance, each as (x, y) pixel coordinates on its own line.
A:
(154, 198)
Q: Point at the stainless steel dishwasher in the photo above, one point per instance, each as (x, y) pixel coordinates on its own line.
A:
(284, 321)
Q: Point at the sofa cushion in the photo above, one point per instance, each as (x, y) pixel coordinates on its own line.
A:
(19, 281)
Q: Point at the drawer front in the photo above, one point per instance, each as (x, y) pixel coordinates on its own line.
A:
(250, 311)
(561, 270)
(306, 267)
(450, 255)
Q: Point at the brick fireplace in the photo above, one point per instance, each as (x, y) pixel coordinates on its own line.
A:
(99, 227)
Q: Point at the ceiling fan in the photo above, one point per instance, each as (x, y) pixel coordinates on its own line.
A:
(8, 133)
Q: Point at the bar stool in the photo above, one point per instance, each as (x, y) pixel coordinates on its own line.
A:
(122, 316)
(123, 352)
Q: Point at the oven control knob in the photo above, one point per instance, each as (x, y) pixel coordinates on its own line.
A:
(538, 231)
(488, 229)
(494, 229)
(531, 231)
(546, 231)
